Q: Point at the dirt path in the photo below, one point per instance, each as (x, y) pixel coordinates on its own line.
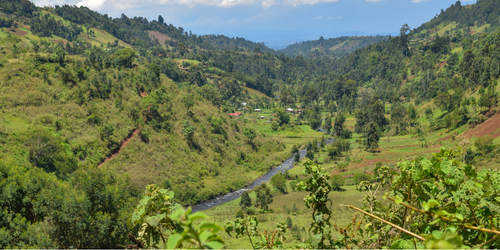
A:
(124, 143)
(486, 128)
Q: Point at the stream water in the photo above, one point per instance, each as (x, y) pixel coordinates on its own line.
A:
(287, 164)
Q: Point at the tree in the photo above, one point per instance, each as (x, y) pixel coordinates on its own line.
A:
(310, 155)
(264, 196)
(245, 201)
(338, 127)
(361, 120)
(240, 214)
(36, 45)
(160, 19)
(412, 114)
(40, 146)
(281, 116)
(484, 144)
(188, 101)
(337, 181)
(188, 130)
(328, 124)
(376, 113)
(249, 133)
(279, 182)
(297, 157)
(274, 126)
(359, 177)
(294, 149)
(289, 222)
(372, 137)
(333, 151)
(404, 37)
(125, 57)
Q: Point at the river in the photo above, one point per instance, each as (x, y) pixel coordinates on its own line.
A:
(287, 164)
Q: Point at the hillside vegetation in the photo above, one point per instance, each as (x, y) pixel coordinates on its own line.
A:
(101, 114)
(331, 47)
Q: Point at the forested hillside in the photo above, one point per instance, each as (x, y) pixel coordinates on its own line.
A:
(95, 109)
(331, 47)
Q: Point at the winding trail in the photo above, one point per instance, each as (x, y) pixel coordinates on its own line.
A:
(287, 164)
(124, 143)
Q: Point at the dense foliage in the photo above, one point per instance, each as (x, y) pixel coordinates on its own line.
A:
(331, 47)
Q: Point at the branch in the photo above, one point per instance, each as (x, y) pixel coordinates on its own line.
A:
(487, 242)
(449, 220)
(386, 222)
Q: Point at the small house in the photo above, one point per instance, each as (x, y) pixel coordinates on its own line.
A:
(289, 110)
(257, 110)
(237, 114)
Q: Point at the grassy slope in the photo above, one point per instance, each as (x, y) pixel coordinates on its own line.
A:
(29, 103)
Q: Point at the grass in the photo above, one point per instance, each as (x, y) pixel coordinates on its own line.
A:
(102, 37)
(254, 92)
(442, 30)
(280, 210)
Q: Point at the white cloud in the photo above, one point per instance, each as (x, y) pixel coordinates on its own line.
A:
(317, 18)
(334, 17)
(295, 3)
(92, 4)
(128, 4)
(374, 1)
(419, 1)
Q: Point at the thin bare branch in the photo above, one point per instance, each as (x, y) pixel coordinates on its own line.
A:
(386, 222)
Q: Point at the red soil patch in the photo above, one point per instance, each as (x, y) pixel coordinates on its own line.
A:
(161, 37)
(405, 146)
(144, 94)
(124, 143)
(20, 32)
(441, 64)
(64, 42)
(408, 78)
(444, 139)
(486, 128)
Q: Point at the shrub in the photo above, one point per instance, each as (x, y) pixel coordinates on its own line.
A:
(245, 201)
(484, 144)
(337, 182)
(359, 177)
(240, 214)
(279, 182)
(289, 222)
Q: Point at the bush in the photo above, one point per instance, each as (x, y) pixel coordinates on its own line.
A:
(245, 201)
(359, 177)
(250, 210)
(484, 144)
(240, 214)
(337, 182)
(289, 222)
(279, 182)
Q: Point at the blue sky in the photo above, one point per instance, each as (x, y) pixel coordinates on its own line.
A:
(282, 21)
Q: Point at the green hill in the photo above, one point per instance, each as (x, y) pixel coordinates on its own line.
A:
(332, 47)
(93, 109)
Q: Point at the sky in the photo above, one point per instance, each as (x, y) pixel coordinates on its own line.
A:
(275, 21)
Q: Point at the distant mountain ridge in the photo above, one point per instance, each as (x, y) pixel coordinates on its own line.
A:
(332, 47)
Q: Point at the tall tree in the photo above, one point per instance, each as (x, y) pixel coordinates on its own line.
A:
(264, 196)
(245, 201)
(372, 137)
(328, 124)
(338, 127)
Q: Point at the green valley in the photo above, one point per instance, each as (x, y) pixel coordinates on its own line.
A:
(112, 129)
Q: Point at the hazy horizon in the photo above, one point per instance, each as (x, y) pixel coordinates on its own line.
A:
(276, 23)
